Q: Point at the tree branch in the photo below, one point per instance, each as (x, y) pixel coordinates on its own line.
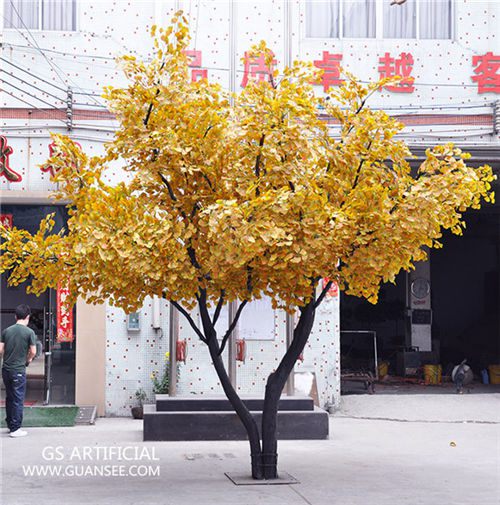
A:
(193, 325)
(169, 188)
(192, 256)
(358, 171)
(249, 279)
(232, 326)
(205, 176)
(219, 307)
(150, 108)
(208, 129)
(257, 161)
(323, 293)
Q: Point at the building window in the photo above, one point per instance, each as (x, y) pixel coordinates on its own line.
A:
(40, 14)
(423, 19)
(358, 18)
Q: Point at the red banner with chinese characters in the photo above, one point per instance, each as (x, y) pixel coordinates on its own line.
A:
(64, 315)
(6, 220)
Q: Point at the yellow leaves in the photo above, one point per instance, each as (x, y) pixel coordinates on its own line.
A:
(254, 197)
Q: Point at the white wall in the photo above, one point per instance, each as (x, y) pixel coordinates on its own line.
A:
(132, 356)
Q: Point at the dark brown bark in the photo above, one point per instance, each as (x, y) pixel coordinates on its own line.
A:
(274, 387)
(240, 408)
(264, 460)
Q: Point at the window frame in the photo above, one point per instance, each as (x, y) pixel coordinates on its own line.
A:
(76, 18)
(379, 24)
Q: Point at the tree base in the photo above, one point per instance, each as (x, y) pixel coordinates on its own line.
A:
(245, 479)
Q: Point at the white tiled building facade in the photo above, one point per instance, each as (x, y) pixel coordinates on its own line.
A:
(57, 55)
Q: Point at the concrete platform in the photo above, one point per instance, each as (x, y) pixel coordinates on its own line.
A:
(225, 425)
(166, 403)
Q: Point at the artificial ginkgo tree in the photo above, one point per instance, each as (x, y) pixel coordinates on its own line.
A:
(230, 198)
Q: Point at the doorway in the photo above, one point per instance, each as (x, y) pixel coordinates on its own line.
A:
(51, 375)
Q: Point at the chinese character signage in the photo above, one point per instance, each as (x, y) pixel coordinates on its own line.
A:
(197, 72)
(486, 69)
(49, 168)
(5, 170)
(6, 220)
(64, 315)
(256, 68)
(331, 66)
(402, 66)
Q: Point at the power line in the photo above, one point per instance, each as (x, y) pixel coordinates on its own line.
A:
(47, 50)
(33, 38)
(91, 105)
(34, 107)
(29, 94)
(33, 86)
(33, 75)
(52, 64)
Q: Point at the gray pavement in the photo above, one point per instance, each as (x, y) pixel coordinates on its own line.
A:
(367, 460)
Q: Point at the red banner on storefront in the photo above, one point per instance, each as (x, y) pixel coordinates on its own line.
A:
(6, 220)
(64, 315)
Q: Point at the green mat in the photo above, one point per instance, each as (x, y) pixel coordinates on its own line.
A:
(45, 416)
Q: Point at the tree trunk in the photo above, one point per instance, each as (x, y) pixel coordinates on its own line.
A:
(274, 387)
(264, 461)
(239, 407)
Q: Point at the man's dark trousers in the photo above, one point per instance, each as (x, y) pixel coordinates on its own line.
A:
(15, 387)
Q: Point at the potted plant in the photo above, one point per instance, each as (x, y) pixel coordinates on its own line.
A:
(138, 410)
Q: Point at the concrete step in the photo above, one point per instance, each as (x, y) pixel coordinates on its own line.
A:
(165, 403)
(225, 425)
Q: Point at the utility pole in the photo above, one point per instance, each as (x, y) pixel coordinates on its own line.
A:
(69, 109)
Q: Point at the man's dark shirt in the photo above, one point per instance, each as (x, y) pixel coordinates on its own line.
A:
(17, 339)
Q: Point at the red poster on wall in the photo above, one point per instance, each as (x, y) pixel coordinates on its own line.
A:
(6, 220)
(64, 315)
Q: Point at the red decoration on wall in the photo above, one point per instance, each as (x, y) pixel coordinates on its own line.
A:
(331, 66)
(64, 315)
(333, 291)
(197, 72)
(5, 170)
(6, 220)
(256, 68)
(48, 167)
(181, 351)
(241, 350)
(402, 66)
(487, 78)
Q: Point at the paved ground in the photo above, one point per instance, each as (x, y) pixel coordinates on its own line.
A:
(366, 461)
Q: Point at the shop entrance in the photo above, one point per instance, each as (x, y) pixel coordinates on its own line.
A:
(51, 375)
(464, 280)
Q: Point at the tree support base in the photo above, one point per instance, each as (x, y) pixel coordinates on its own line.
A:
(245, 479)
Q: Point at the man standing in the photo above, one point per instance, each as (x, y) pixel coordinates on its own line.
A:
(18, 345)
